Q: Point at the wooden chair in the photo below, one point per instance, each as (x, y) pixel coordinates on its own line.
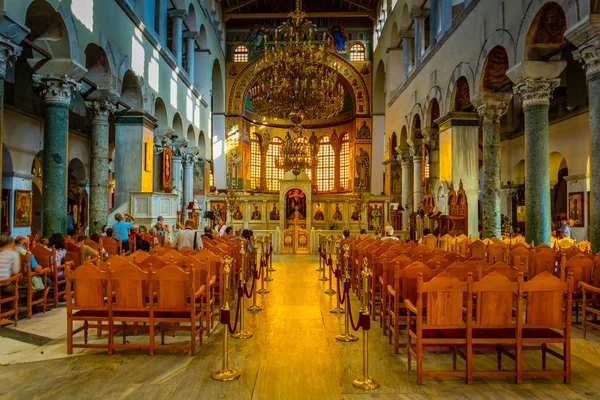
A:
(405, 288)
(151, 262)
(442, 325)
(213, 288)
(438, 261)
(444, 242)
(462, 270)
(521, 257)
(9, 303)
(130, 288)
(580, 267)
(462, 246)
(201, 267)
(47, 259)
(453, 256)
(477, 264)
(137, 256)
(177, 302)
(87, 303)
(477, 249)
(495, 322)
(187, 251)
(544, 261)
(509, 272)
(172, 256)
(590, 292)
(111, 246)
(28, 275)
(497, 252)
(547, 320)
(430, 241)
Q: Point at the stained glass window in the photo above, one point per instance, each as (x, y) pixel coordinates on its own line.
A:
(274, 174)
(255, 161)
(240, 53)
(344, 163)
(357, 52)
(325, 166)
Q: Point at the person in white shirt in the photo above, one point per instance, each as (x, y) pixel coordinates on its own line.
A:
(389, 234)
(221, 227)
(10, 262)
(188, 237)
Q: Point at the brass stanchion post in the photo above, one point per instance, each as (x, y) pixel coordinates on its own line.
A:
(329, 246)
(225, 374)
(330, 291)
(262, 271)
(271, 269)
(365, 381)
(255, 307)
(320, 254)
(242, 333)
(338, 308)
(347, 336)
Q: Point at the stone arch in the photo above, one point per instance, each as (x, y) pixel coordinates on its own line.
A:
(162, 117)
(405, 19)
(191, 136)
(434, 106)
(99, 67)
(461, 96)
(202, 148)
(77, 169)
(394, 145)
(7, 162)
(131, 91)
(202, 39)
(557, 162)
(54, 31)
(394, 35)
(379, 91)
(559, 15)
(403, 142)
(178, 126)
(191, 21)
(416, 114)
(500, 38)
(462, 70)
(415, 126)
(218, 88)
(493, 75)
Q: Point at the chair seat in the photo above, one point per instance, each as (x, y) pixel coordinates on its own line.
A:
(484, 333)
(90, 313)
(544, 333)
(172, 314)
(444, 333)
(131, 314)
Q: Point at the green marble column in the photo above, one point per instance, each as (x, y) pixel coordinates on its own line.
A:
(57, 92)
(491, 107)
(99, 165)
(536, 94)
(589, 54)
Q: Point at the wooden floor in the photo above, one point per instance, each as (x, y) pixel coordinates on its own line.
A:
(293, 355)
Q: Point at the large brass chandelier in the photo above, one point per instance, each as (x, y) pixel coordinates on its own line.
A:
(293, 80)
(297, 153)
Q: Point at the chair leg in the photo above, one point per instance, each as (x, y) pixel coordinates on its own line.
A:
(29, 301)
(396, 336)
(419, 362)
(151, 331)
(193, 337)
(408, 350)
(544, 347)
(469, 362)
(567, 360)
(519, 362)
(69, 335)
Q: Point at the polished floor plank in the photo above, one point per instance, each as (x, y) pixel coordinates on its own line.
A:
(293, 355)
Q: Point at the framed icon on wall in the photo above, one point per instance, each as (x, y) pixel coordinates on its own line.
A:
(576, 209)
(22, 208)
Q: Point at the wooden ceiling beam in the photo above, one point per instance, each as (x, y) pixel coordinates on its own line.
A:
(239, 5)
(357, 4)
(352, 14)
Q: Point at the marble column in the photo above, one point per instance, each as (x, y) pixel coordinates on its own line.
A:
(419, 16)
(491, 106)
(101, 110)
(535, 82)
(57, 92)
(189, 160)
(12, 34)
(161, 21)
(431, 139)
(177, 16)
(407, 164)
(445, 15)
(407, 48)
(190, 41)
(433, 22)
(417, 190)
(176, 173)
(589, 54)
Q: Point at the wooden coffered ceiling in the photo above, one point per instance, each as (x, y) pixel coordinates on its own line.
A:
(261, 9)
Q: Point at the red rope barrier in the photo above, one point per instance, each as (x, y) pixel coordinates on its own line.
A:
(237, 312)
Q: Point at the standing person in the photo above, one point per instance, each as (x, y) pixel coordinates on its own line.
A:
(566, 228)
(188, 237)
(220, 229)
(10, 262)
(121, 229)
(70, 224)
(389, 234)
(160, 227)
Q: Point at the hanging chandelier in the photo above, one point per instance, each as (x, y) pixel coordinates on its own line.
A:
(293, 80)
(297, 153)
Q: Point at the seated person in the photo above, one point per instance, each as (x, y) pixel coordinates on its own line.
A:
(88, 252)
(140, 243)
(22, 246)
(389, 234)
(426, 232)
(160, 227)
(207, 233)
(152, 232)
(346, 233)
(110, 233)
(10, 263)
(96, 238)
(57, 241)
(228, 235)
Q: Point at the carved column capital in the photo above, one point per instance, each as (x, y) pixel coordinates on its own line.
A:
(100, 110)
(56, 89)
(536, 91)
(491, 106)
(8, 53)
(177, 13)
(431, 138)
(589, 55)
(405, 157)
(190, 159)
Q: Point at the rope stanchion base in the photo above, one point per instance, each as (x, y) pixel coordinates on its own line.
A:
(225, 375)
(367, 383)
(268, 279)
(262, 291)
(337, 310)
(330, 292)
(242, 335)
(323, 278)
(346, 337)
(254, 308)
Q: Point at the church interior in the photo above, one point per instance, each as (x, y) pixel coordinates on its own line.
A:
(299, 199)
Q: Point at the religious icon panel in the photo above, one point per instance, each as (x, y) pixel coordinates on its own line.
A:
(274, 211)
(576, 209)
(337, 212)
(22, 208)
(256, 212)
(317, 212)
(219, 210)
(375, 215)
(237, 213)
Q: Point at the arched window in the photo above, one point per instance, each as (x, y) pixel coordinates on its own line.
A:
(345, 163)
(240, 53)
(255, 161)
(325, 166)
(274, 174)
(308, 171)
(358, 52)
